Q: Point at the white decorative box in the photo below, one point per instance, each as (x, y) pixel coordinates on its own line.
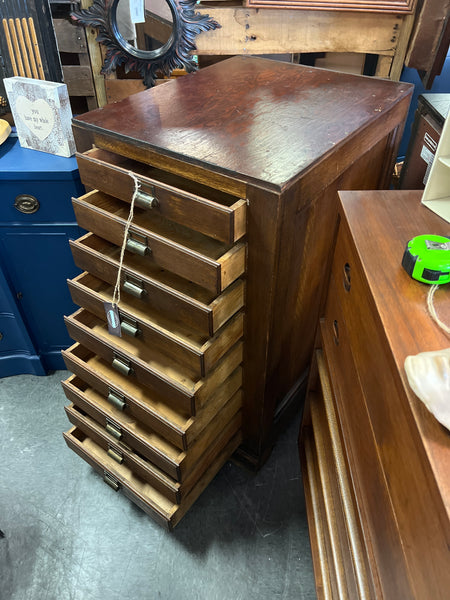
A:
(42, 114)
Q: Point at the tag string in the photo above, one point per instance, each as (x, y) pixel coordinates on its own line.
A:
(116, 294)
(432, 310)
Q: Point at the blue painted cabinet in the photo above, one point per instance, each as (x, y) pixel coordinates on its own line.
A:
(36, 223)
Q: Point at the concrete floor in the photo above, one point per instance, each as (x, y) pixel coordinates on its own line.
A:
(67, 536)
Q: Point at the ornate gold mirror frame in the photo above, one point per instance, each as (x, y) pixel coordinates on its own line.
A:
(175, 53)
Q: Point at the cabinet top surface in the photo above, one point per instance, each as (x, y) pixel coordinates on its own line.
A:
(255, 119)
(381, 223)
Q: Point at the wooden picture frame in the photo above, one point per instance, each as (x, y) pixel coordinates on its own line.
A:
(382, 6)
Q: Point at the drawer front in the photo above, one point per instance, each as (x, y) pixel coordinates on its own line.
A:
(198, 207)
(30, 202)
(178, 343)
(175, 463)
(134, 360)
(123, 455)
(130, 358)
(126, 431)
(345, 570)
(163, 292)
(394, 433)
(119, 477)
(191, 255)
(137, 403)
(378, 519)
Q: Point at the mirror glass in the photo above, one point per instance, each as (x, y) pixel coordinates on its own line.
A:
(153, 33)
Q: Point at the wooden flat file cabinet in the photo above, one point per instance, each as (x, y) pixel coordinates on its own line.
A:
(376, 463)
(236, 169)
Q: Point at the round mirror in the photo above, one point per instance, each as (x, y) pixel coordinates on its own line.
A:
(164, 41)
(146, 37)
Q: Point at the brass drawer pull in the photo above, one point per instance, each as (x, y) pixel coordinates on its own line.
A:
(122, 365)
(27, 204)
(115, 455)
(116, 400)
(347, 277)
(137, 247)
(144, 200)
(113, 429)
(129, 327)
(134, 289)
(112, 481)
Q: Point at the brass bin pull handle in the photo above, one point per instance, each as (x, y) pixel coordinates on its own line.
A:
(134, 289)
(137, 247)
(115, 455)
(130, 329)
(116, 400)
(144, 200)
(122, 366)
(113, 429)
(111, 481)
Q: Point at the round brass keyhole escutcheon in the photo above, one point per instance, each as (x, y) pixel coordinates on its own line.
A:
(27, 204)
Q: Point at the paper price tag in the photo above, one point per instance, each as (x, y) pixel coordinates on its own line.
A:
(137, 11)
(113, 319)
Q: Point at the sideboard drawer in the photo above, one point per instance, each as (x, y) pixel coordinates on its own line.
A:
(194, 205)
(197, 353)
(378, 520)
(120, 477)
(194, 256)
(165, 292)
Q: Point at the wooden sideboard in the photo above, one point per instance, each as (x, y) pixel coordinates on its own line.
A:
(376, 463)
(240, 164)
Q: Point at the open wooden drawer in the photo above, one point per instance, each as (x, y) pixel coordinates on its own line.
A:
(139, 403)
(196, 353)
(120, 477)
(134, 359)
(176, 463)
(189, 254)
(204, 209)
(163, 291)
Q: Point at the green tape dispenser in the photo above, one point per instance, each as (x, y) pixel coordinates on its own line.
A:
(427, 258)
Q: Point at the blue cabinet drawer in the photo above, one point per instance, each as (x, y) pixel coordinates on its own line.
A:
(38, 182)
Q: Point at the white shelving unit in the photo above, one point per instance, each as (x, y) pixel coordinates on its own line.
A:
(436, 195)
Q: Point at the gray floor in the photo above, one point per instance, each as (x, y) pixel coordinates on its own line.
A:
(69, 537)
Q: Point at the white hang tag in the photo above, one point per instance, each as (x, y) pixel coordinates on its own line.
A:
(137, 11)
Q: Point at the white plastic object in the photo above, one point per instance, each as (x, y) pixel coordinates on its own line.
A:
(428, 375)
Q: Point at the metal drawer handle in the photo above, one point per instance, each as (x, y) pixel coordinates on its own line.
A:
(144, 200)
(115, 455)
(137, 247)
(130, 328)
(112, 481)
(122, 367)
(347, 277)
(26, 204)
(116, 400)
(134, 289)
(113, 429)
